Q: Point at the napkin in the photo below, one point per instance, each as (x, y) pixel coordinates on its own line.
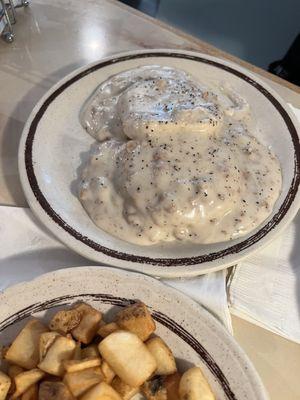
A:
(265, 288)
(27, 250)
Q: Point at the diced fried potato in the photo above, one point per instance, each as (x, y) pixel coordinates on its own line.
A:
(62, 349)
(79, 365)
(24, 380)
(46, 340)
(89, 324)
(102, 391)
(136, 319)
(5, 383)
(128, 356)
(90, 351)
(108, 373)
(14, 370)
(53, 378)
(171, 383)
(79, 382)
(107, 329)
(102, 322)
(124, 390)
(3, 351)
(54, 391)
(24, 351)
(77, 352)
(194, 386)
(155, 389)
(65, 320)
(163, 355)
(31, 394)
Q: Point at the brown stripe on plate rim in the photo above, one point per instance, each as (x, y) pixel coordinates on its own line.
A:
(123, 302)
(166, 262)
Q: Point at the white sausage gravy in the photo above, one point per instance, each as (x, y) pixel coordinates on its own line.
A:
(174, 160)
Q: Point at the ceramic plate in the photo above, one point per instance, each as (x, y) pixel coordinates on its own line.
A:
(193, 334)
(54, 146)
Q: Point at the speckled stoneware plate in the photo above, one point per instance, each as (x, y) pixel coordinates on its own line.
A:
(195, 337)
(54, 145)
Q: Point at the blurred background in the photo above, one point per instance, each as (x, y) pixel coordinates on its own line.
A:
(258, 31)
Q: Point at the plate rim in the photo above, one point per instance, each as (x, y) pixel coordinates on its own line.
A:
(187, 266)
(63, 273)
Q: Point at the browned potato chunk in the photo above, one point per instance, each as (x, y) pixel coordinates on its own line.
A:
(3, 351)
(24, 380)
(108, 373)
(79, 365)
(79, 382)
(102, 322)
(90, 351)
(46, 340)
(24, 351)
(102, 391)
(31, 394)
(125, 391)
(194, 386)
(155, 389)
(172, 385)
(128, 356)
(62, 349)
(78, 352)
(163, 355)
(107, 329)
(52, 378)
(14, 370)
(54, 391)
(5, 383)
(136, 319)
(89, 324)
(66, 320)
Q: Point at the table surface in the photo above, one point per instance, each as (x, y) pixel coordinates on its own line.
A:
(53, 37)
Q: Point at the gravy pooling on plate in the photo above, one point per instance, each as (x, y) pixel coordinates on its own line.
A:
(174, 160)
